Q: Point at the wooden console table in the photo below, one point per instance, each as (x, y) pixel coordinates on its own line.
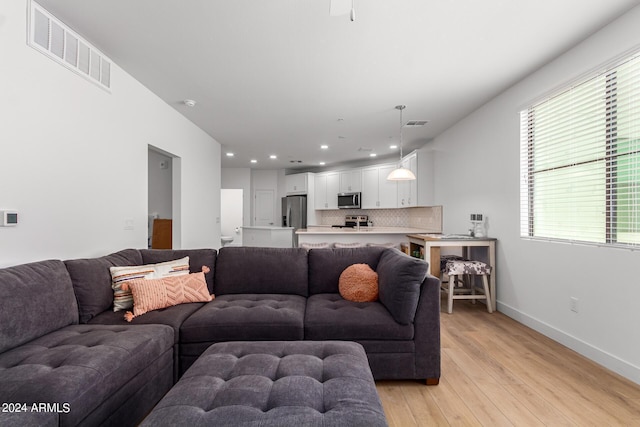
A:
(431, 244)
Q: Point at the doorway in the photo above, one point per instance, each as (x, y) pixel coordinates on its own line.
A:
(231, 215)
(163, 199)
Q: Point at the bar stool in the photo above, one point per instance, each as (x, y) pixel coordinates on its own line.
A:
(457, 270)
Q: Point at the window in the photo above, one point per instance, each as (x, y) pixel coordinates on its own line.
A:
(580, 161)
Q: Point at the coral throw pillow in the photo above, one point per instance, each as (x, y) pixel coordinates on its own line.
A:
(154, 294)
(358, 283)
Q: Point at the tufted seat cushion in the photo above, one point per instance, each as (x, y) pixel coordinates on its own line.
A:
(241, 316)
(329, 316)
(94, 369)
(301, 383)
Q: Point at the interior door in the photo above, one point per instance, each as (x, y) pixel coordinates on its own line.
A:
(231, 216)
(264, 211)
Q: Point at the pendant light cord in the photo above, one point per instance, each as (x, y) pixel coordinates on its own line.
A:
(400, 107)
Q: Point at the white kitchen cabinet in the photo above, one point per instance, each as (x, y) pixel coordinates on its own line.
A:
(408, 190)
(296, 183)
(326, 190)
(351, 181)
(377, 191)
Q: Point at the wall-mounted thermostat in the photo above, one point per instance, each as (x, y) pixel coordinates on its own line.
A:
(8, 218)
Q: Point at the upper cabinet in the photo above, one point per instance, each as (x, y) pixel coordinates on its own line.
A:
(351, 181)
(326, 190)
(297, 183)
(408, 190)
(377, 191)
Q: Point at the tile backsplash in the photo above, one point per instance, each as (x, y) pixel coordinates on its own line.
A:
(428, 218)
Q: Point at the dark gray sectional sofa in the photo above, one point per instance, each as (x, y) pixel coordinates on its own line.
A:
(67, 359)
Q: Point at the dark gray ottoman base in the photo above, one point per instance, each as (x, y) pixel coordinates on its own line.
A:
(274, 383)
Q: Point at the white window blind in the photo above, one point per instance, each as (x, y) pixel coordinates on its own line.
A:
(580, 161)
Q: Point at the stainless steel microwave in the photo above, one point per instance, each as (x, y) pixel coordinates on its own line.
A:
(348, 200)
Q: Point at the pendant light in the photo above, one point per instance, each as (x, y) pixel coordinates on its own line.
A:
(401, 173)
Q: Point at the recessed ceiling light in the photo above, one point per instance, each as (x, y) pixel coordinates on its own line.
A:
(229, 154)
(273, 156)
(189, 102)
(393, 147)
(254, 161)
(372, 154)
(324, 147)
(322, 163)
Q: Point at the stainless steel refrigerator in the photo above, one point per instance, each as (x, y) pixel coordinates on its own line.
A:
(294, 214)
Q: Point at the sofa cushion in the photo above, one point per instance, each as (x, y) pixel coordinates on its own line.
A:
(83, 366)
(326, 265)
(36, 298)
(399, 279)
(251, 270)
(197, 258)
(246, 317)
(92, 280)
(329, 316)
(171, 316)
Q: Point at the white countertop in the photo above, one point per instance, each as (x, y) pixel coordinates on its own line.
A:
(327, 230)
(266, 227)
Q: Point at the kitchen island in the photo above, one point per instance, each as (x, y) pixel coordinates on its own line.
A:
(268, 236)
(362, 235)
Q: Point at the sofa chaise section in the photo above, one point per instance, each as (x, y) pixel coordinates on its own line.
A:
(82, 374)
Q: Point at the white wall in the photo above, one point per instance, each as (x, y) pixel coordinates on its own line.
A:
(477, 170)
(73, 158)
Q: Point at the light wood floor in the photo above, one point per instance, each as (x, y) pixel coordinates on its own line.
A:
(498, 372)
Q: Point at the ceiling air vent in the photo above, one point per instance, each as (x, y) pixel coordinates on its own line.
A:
(416, 123)
(51, 37)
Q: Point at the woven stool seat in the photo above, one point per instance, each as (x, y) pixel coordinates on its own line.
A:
(454, 267)
(461, 284)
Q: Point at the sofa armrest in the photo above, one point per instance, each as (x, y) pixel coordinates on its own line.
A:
(427, 331)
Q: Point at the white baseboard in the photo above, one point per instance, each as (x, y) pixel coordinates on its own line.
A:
(609, 361)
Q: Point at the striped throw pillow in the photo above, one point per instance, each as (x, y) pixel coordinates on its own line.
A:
(123, 300)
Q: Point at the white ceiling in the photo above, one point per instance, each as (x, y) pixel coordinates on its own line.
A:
(276, 77)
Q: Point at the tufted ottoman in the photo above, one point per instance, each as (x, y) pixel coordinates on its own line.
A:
(274, 383)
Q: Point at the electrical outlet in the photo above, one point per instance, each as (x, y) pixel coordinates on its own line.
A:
(573, 304)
